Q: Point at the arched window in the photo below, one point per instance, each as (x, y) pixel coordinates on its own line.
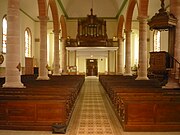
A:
(28, 44)
(4, 38)
(157, 41)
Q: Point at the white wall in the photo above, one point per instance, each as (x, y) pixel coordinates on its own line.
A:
(71, 28)
(25, 22)
(71, 58)
(111, 27)
(112, 62)
(102, 64)
(81, 65)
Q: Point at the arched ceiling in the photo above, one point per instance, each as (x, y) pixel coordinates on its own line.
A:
(80, 8)
(103, 8)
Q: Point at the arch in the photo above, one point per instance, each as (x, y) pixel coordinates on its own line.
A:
(143, 8)
(129, 14)
(55, 15)
(120, 27)
(63, 26)
(42, 8)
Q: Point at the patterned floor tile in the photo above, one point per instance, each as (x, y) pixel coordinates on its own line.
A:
(93, 118)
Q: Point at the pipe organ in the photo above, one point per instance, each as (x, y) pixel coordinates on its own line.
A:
(91, 31)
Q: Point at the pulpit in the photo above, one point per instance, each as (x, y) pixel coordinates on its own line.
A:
(159, 62)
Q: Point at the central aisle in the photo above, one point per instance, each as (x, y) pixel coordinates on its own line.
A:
(93, 114)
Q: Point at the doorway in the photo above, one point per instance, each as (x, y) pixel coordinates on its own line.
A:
(91, 67)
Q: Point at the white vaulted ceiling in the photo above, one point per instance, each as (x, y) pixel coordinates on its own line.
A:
(103, 8)
(80, 8)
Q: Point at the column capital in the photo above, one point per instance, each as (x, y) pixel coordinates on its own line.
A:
(121, 38)
(142, 18)
(127, 31)
(56, 31)
(63, 38)
(43, 18)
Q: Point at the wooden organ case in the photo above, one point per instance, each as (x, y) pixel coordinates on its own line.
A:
(91, 31)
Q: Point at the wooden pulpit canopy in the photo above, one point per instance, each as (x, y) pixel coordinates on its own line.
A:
(162, 20)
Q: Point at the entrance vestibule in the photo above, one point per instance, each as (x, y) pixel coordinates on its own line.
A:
(91, 67)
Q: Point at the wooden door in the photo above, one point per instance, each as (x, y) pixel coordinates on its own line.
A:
(91, 67)
(29, 66)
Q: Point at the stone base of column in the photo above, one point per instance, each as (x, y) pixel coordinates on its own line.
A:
(127, 74)
(43, 78)
(171, 84)
(13, 85)
(142, 78)
(56, 74)
(119, 73)
(64, 73)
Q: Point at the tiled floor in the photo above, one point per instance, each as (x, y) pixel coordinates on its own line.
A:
(92, 115)
(94, 118)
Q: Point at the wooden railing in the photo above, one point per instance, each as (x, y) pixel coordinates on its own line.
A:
(173, 74)
(175, 67)
(91, 43)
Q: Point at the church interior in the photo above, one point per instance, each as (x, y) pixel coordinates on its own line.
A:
(88, 67)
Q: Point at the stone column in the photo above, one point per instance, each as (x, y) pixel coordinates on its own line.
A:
(120, 56)
(128, 54)
(175, 9)
(63, 55)
(43, 72)
(115, 61)
(13, 67)
(75, 57)
(56, 53)
(142, 67)
(108, 62)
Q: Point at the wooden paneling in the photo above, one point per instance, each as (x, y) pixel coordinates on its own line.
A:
(29, 69)
(159, 61)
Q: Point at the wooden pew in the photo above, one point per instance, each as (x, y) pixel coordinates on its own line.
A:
(143, 105)
(43, 105)
(33, 112)
(151, 84)
(150, 113)
(133, 91)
